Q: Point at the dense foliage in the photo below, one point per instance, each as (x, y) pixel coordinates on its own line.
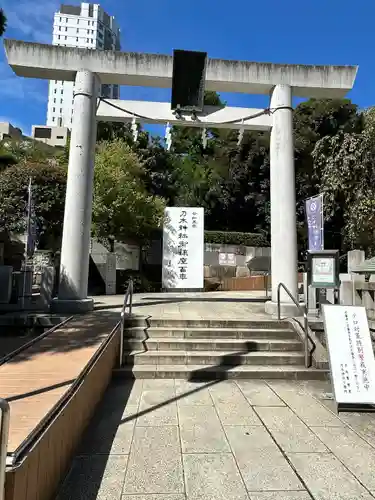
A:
(3, 22)
(49, 183)
(334, 154)
(122, 207)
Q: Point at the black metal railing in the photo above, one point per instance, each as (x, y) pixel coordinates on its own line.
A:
(303, 311)
(128, 303)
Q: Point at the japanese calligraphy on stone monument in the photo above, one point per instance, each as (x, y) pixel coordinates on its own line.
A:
(351, 354)
(183, 248)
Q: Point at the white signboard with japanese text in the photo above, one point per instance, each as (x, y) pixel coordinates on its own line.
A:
(227, 259)
(323, 270)
(183, 248)
(351, 355)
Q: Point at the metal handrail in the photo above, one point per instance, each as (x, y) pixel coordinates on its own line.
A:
(128, 297)
(4, 433)
(303, 311)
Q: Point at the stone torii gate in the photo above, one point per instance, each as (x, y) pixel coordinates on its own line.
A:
(89, 68)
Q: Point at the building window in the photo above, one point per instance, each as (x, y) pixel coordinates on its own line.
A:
(66, 29)
(77, 39)
(54, 100)
(60, 110)
(66, 19)
(77, 30)
(58, 37)
(59, 137)
(59, 28)
(53, 110)
(60, 19)
(53, 118)
(66, 38)
(62, 92)
(87, 40)
(55, 91)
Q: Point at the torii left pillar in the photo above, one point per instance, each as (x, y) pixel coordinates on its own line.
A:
(75, 248)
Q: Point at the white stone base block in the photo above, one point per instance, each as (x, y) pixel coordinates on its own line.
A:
(288, 309)
(78, 306)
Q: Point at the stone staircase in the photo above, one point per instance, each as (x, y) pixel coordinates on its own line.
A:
(211, 349)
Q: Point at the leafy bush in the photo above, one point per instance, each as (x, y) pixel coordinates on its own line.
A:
(48, 185)
(234, 238)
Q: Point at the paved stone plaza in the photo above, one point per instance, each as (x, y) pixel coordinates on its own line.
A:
(193, 305)
(245, 440)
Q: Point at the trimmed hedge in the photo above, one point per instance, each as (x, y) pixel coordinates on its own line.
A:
(235, 238)
(226, 238)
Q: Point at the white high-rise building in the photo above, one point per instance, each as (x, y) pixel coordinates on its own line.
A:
(85, 26)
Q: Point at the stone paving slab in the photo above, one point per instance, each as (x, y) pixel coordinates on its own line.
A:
(213, 477)
(289, 431)
(95, 477)
(201, 430)
(327, 478)
(258, 393)
(305, 405)
(281, 495)
(260, 461)
(237, 414)
(153, 497)
(357, 455)
(155, 464)
(176, 440)
(192, 305)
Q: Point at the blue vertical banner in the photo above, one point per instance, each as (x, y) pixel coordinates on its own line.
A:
(315, 222)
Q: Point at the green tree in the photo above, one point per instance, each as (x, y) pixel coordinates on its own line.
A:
(345, 166)
(48, 188)
(3, 22)
(122, 207)
(314, 120)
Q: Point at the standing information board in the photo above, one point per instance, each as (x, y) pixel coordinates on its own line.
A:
(183, 248)
(351, 357)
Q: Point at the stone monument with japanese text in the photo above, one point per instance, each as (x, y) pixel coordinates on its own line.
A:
(183, 248)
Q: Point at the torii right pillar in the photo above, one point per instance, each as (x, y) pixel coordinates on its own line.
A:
(283, 202)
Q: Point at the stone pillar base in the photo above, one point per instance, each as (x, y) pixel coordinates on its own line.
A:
(288, 309)
(78, 306)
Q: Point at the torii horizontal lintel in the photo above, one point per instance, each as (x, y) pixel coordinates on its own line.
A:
(161, 113)
(53, 62)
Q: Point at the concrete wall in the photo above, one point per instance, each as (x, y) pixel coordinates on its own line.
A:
(230, 261)
(7, 130)
(58, 135)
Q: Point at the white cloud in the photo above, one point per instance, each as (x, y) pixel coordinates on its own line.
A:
(30, 19)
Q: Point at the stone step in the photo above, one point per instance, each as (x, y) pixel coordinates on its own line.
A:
(214, 358)
(216, 323)
(201, 372)
(212, 344)
(206, 332)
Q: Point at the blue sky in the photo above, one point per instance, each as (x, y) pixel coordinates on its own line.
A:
(284, 31)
